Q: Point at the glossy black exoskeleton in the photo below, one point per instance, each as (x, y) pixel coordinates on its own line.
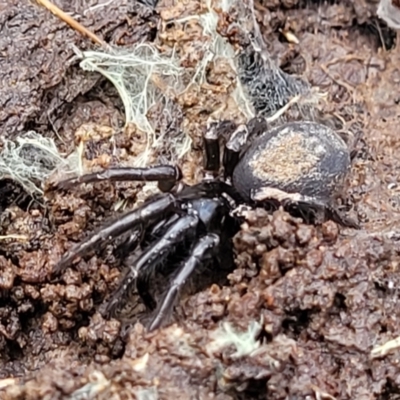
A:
(300, 166)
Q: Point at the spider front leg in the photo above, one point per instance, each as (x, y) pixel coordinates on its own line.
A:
(144, 215)
(166, 176)
(202, 251)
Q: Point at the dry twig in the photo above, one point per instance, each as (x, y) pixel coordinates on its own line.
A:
(71, 22)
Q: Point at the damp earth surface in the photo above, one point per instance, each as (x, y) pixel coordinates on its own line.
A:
(310, 312)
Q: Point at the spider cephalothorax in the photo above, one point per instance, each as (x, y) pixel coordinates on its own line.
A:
(299, 166)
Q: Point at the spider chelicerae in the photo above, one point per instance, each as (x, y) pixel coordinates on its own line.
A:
(300, 166)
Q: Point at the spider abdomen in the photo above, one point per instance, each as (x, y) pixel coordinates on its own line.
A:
(306, 158)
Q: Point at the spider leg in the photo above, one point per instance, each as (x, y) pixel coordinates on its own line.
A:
(212, 151)
(212, 157)
(130, 244)
(184, 228)
(233, 148)
(158, 230)
(341, 219)
(238, 141)
(145, 214)
(166, 175)
(140, 235)
(203, 250)
(352, 139)
(302, 202)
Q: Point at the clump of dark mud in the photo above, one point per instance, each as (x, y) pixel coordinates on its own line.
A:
(309, 312)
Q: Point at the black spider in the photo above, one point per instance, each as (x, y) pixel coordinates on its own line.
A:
(300, 166)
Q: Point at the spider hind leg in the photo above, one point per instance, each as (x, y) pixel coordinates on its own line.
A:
(311, 209)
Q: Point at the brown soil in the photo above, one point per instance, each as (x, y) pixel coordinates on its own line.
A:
(326, 298)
